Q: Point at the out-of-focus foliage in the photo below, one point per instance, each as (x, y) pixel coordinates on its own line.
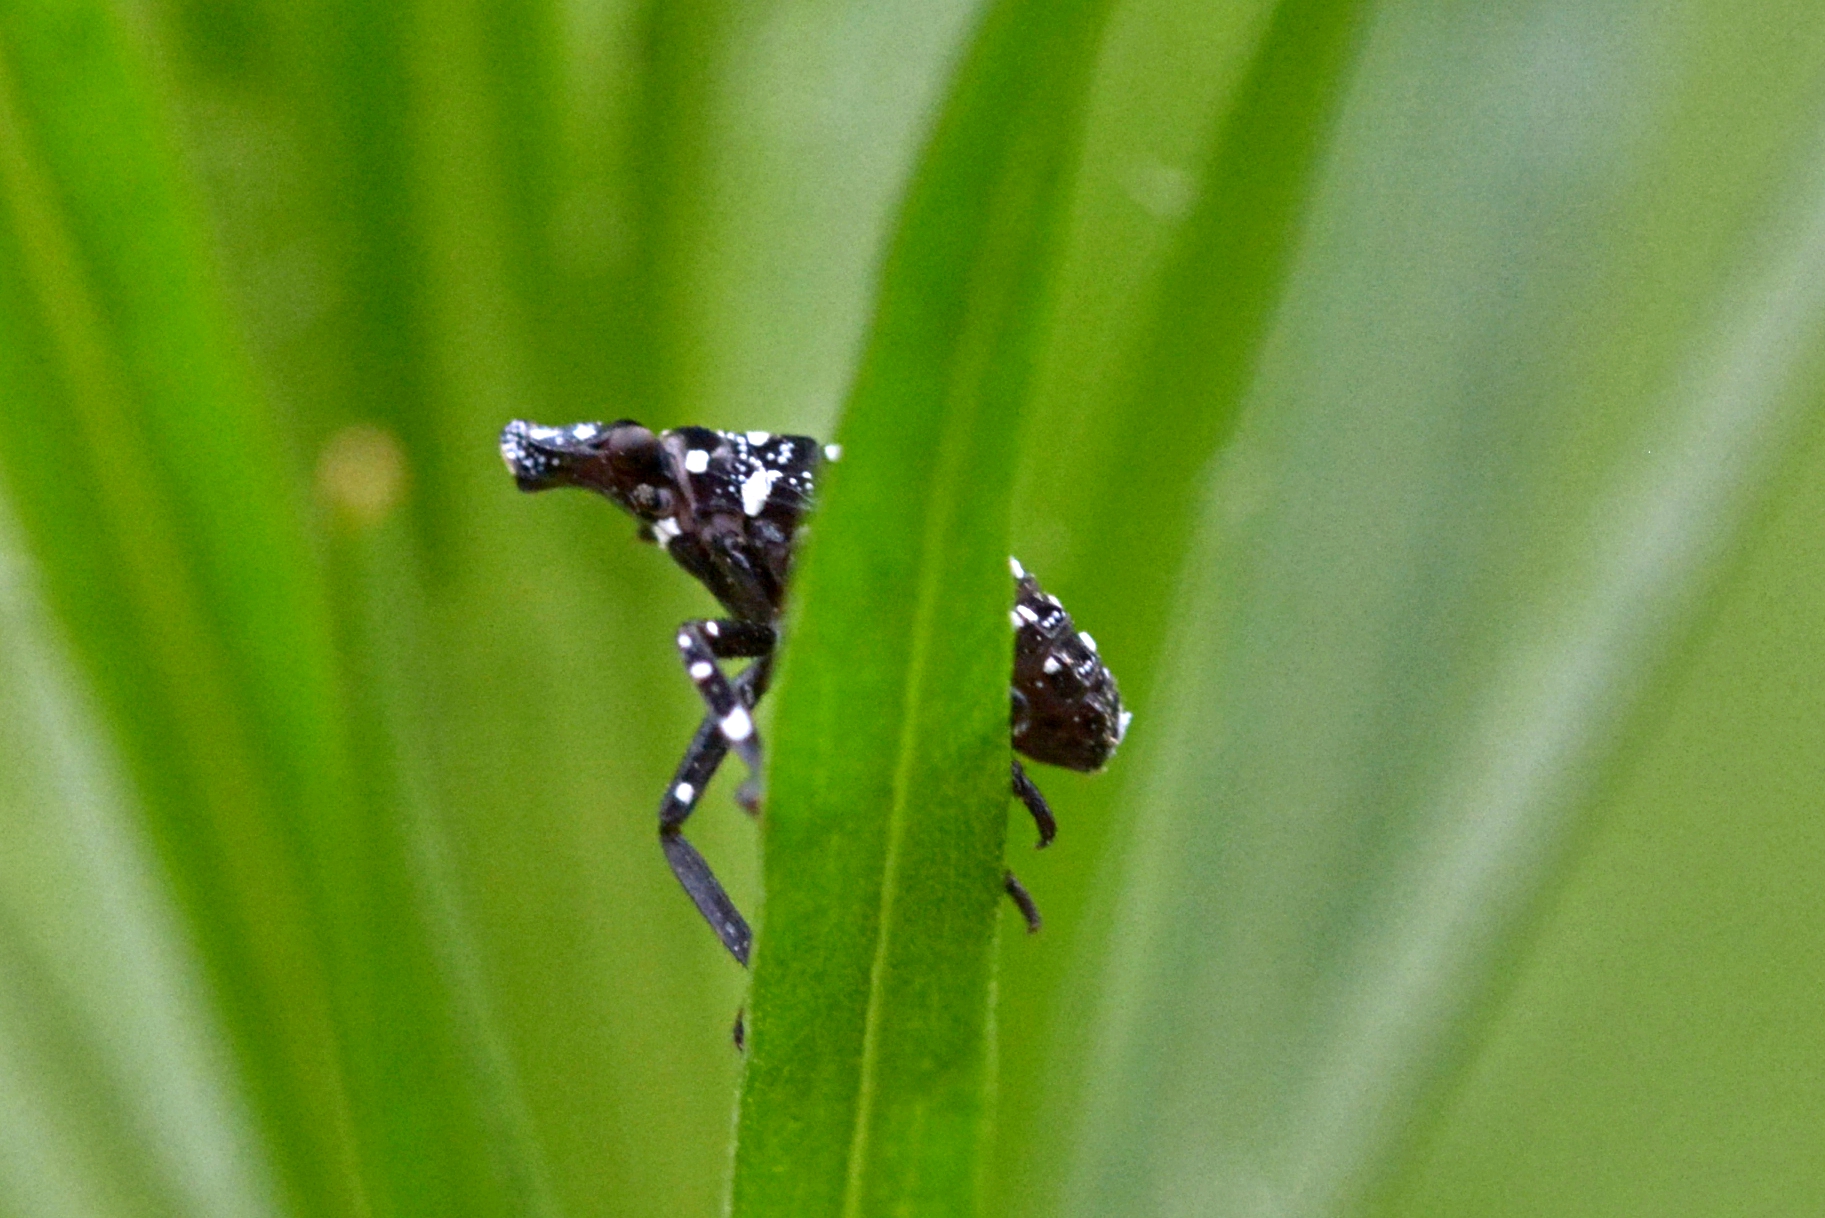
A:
(1425, 425)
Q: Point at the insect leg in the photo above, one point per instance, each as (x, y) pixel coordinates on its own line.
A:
(697, 646)
(733, 639)
(1036, 804)
(1022, 901)
(746, 588)
(754, 682)
(705, 753)
(707, 749)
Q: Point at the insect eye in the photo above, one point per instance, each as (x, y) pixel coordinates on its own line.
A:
(633, 451)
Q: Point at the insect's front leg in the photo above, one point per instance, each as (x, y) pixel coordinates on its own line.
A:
(700, 645)
(701, 759)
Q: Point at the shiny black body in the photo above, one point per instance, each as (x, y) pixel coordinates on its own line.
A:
(727, 506)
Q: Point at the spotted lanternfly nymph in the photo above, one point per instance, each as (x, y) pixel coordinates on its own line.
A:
(727, 506)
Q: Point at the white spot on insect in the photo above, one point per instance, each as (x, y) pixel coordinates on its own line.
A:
(696, 461)
(1016, 619)
(1121, 725)
(585, 431)
(833, 452)
(1051, 665)
(684, 640)
(757, 438)
(712, 629)
(1019, 571)
(1088, 641)
(736, 725)
(683, 792)
(756, 488)
(785, 452)
(1025, 613)
(666, 529)
(542, 434)
(702, 669)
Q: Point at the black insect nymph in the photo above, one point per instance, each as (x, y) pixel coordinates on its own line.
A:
(727, 506)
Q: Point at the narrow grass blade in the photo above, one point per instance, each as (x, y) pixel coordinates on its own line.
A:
(1475, 503)
(869, 1083)
(113, 1094)
(1214, 128)
(152, 493)
(1207, 317)
(257, 706)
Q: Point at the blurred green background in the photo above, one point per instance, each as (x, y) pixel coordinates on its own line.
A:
(1427, 429)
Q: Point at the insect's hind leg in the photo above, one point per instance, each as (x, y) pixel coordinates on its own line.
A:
(1028, 794)
(1023, 901)
(700, 645)
(706, 751)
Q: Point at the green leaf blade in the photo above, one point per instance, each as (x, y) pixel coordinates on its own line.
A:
(166, 526)
(869, 1082)
(1477, 501)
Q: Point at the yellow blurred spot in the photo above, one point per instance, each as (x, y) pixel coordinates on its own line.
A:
(362, 474)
